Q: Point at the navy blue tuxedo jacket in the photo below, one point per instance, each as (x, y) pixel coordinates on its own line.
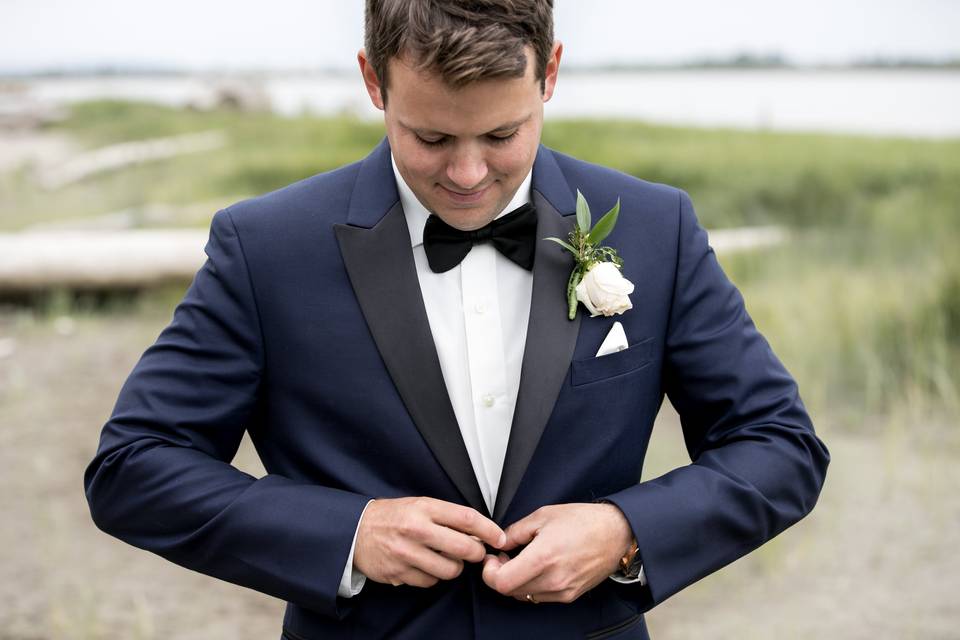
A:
(306, 328)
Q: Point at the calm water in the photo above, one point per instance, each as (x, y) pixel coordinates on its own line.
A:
(905, 103)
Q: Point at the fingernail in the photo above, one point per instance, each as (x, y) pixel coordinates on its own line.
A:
(502, 540)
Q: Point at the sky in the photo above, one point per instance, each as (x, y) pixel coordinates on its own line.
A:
(227, 34)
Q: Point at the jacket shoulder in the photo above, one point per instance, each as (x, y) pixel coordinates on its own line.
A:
(652, 214)
(325, 196)
(602, 185)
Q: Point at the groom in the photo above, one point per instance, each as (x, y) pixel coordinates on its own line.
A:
(447, 454)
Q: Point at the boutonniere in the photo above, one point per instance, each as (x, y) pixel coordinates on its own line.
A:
(596, 280)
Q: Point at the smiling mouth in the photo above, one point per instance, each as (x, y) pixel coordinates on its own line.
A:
(469, 193)
(472, 196)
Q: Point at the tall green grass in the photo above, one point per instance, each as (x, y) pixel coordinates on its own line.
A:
(862, 305)
(861, 335)
(263, 152)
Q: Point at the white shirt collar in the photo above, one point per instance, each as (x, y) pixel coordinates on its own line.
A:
(417, 214)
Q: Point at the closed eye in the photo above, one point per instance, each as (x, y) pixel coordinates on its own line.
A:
(431, 143)
(497, 140)
(502, 139)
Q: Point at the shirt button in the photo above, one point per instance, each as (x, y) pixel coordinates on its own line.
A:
(488, 400)
(480, 307)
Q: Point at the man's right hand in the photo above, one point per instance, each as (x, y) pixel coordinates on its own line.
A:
(420, 541)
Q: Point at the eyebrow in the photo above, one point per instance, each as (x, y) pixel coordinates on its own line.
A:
(503, 127)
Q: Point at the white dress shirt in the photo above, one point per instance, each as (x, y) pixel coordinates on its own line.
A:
(478, 313)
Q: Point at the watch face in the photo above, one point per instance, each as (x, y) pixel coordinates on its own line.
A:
(631, 563)
(629, 557)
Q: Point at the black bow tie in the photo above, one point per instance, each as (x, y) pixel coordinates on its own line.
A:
(514, 235)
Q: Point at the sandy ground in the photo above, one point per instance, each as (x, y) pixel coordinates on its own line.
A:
(877, 558)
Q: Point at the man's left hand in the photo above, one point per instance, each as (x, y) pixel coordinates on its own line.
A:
(570, 548)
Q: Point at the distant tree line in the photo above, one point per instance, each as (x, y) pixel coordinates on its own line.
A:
(735, 61)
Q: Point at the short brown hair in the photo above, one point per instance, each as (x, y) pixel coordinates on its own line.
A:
(461, 40)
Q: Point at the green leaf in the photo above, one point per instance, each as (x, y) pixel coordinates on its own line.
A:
(604, 225)
(583, 213)
(566, 245)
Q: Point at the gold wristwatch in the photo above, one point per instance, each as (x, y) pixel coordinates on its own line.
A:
(630, 563)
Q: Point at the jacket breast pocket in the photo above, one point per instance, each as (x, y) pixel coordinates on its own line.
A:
(636, 356)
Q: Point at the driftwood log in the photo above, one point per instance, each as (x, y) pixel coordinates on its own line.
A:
(139, 259)
(32, 261)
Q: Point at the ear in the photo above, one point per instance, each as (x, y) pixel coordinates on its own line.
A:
(370, 79)
(551, 70)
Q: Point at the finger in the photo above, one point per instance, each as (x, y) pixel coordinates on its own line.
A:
(454, 544)
(558, 596)
(523, 531)
(526, 566)
(491, 565)
(552, 586)
(495, 561)
(416, 578)
(542, 587)
(470, 521)
(432, 563)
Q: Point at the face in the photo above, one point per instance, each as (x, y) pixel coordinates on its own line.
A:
(464, 152)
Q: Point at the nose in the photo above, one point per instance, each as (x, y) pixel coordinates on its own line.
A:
(467, 167)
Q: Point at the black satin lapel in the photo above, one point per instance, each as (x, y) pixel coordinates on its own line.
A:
(384, 278)
(551, 338)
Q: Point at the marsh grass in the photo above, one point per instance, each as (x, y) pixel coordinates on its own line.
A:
(263, 152)
(860, 335)
(862, 305)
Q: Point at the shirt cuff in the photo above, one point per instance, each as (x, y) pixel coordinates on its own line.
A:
(641, 578)
(352, 580)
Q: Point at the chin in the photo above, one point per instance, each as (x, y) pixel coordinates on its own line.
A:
(466, 219)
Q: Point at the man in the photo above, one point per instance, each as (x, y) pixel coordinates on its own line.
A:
(447, 456)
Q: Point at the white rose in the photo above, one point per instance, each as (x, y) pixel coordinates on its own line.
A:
(605, 290)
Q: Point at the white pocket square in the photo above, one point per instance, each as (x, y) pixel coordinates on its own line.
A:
(616, 340)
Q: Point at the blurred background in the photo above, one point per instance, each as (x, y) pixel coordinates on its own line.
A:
(820, 142)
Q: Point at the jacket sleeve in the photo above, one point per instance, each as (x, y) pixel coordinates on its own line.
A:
(162, 480)
(757, 466)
